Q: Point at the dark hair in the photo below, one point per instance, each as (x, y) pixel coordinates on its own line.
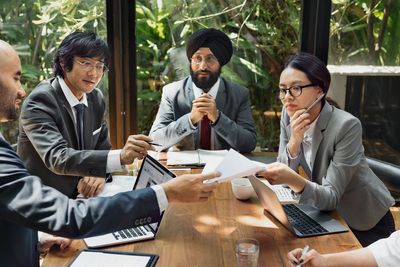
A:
(81, 44)
(315, 70)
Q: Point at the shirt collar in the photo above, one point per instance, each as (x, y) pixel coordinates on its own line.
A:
(71, 98)
(308, 135)
(213, 91)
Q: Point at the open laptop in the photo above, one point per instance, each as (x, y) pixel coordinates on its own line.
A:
(151, 172)
(302, 220)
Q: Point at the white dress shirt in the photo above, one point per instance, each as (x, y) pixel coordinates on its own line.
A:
(307, 145)
(212, 92)
(114, 156)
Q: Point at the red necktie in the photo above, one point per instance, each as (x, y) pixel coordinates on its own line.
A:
(205, 134)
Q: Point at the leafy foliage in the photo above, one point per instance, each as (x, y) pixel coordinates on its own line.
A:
(264, 34)
(262, 41)
(365, 32)
(36, 28)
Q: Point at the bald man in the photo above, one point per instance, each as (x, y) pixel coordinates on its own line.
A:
(26, 205)
(205, 110)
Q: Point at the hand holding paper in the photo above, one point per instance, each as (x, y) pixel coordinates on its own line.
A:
(234, 165)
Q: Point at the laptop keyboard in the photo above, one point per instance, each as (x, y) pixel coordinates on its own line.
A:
(132, 232)
(302, 222)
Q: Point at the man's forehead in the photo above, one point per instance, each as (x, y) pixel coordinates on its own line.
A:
(204, 51)
(8, 55)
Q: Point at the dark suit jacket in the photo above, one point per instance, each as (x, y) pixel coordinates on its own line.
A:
(234, 128)
(26, 205)
(48, 140)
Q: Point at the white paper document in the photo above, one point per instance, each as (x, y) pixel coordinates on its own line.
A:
(120, 183)
(100, 259)
(234, 165)
(197, 157)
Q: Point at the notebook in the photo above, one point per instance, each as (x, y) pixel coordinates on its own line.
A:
(151, 172)
(302, 220)
(194, 158)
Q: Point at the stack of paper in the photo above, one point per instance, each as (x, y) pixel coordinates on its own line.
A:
(234, 165)
(197, 157)
(120, 183)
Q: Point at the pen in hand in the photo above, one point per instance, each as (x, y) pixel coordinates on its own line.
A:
(303, 252)
(312, 105)
(154, 144)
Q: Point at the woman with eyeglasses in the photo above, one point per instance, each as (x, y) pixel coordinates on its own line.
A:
(327, 143)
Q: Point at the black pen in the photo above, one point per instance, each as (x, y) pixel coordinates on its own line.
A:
(154, 144)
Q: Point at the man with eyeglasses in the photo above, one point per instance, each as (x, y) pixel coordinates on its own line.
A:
(26, 205)
(63, 136)
(205, 110)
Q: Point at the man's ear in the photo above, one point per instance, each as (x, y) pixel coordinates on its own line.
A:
(62, 65)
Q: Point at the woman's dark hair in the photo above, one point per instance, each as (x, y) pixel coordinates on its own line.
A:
(81, 44)
(313, 68)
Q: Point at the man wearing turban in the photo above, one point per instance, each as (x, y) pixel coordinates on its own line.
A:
(205, 110)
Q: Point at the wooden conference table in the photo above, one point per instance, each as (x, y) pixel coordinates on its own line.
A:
(204, 234)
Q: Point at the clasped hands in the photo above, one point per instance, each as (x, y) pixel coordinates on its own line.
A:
(204, 106)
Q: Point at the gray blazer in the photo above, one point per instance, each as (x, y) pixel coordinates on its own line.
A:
(234, 128)
(26, 205)
(48, 140)
(341, 178)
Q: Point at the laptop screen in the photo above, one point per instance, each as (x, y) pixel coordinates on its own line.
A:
(151, 173)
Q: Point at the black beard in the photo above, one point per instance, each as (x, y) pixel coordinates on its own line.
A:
(205, 83)
(7, 107)
(8, 115)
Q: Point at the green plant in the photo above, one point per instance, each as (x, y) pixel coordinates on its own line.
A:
(36, 27)
(262, 41)
(365, 32)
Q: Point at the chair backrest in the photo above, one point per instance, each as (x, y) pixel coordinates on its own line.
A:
(387, 172)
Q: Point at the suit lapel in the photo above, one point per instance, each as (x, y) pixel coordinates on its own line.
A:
(189, 94)
(69, 118)
(319, 130)
(221, 95)
(89, 122)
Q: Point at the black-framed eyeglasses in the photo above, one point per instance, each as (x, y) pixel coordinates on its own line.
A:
(294, 91)
(100, 67)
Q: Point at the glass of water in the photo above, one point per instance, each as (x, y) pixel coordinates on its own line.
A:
(247, 251)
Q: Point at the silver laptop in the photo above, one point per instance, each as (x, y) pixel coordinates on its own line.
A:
(302, 220)
(150, 173)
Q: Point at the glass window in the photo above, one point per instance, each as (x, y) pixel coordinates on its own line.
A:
(364, 54)
(36, 28)
(264, 34)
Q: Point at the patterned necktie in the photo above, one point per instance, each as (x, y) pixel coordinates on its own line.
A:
(205, 134)
(80, 109)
